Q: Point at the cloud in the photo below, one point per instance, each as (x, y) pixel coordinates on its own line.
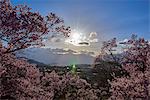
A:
(76, 39)
(93, 37)
(62, 51)
(53, 56)
(87, 52)
(122, 41)
(80, 39)
(125, 40)
(54, 39)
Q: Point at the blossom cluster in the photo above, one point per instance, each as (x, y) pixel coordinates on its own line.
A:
(20, 80)
(21, 28)
(135, 85)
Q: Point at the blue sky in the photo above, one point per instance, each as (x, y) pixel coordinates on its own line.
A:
(108, 18)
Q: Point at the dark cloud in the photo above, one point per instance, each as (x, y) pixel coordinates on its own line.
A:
(84, 43)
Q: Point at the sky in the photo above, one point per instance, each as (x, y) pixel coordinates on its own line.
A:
(94, 21)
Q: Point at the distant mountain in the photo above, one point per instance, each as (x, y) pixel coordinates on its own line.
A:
(31, 61)
(60, 57)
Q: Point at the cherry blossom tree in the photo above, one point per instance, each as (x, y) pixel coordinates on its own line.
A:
(68, 87)
(135, 85)
(108, 48)
(20, 80)
(21, 28)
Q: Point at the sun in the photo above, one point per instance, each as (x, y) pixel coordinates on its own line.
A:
(75, 38)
